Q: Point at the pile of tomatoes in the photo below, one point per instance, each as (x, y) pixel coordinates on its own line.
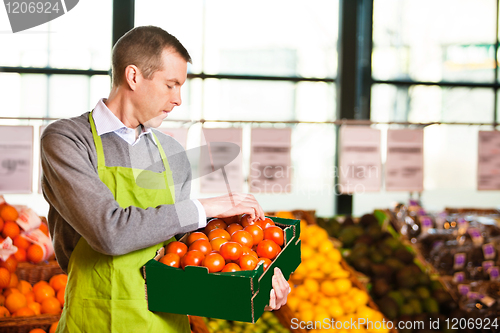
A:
(228, 245)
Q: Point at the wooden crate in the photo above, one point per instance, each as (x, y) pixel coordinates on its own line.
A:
(25, 324)
(34, 273)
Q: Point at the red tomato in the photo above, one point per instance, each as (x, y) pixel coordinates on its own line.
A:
(268, 249)
(266, 262)
(201, 245)
(195, 236)
(231, 267)
(256, 231)
(232, 228)
(275, 234)
(214, 262)
(248, 262)
(266, 223)
(178, 248)
(214, 224)
(232, 219)
(231, 251)
(246, 220)
(192, 258)
(247, 250)
(219, 233)
(217, 242)
(243, 237)
(171, 259)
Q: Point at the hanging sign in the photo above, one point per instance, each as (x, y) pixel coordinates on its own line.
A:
(223, 167)
(488, 167)
(16, 159)
(42, 128)
(270, 160)
(404, 167)
(360, 163)
(180, 134)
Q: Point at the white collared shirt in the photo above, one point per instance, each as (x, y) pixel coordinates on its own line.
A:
(105, 122)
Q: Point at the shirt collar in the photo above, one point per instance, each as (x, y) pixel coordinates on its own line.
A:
(106, 122)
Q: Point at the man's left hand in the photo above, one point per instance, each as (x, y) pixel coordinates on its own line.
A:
(280, 291)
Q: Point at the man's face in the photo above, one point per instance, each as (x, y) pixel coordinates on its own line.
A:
(156, 97)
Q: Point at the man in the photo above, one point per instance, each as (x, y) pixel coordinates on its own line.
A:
(104, 224)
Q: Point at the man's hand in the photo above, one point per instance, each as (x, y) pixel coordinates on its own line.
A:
(232, 204)
(280, 291)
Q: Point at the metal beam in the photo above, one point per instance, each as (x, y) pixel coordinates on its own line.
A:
(123, 18)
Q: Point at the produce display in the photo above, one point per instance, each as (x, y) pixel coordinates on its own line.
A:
(268, 323)
(227, 245)
(462, 247)
(322, 290)
(400, 288)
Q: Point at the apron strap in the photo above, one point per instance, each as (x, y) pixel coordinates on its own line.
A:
(101, 162)
(170, 179)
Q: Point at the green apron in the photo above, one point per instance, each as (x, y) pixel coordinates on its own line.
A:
(106, 293)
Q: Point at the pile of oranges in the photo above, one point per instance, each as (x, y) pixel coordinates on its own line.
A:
(21, 299)
(228, 245)
(26, 251)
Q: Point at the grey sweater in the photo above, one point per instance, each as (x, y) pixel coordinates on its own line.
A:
(82, 206)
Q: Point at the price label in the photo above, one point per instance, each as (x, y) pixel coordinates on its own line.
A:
(459, 261)
(459, 277)
(489, 251)
(404, 167)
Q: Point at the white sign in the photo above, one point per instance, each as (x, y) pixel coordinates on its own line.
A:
(270, 160)
(360, 162)
(404, 168)
(180, 134)
(223, 169)
(488, 168)
(42, 128)
(16, 159)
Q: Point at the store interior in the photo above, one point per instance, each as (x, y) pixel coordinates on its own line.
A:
(373, 122)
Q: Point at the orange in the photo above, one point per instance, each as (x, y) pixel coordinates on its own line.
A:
(39, 284)
(2, 300)
(30, 297)
(4, 312)
(24, 286)
(9, 213)
(20, 255)
(53, 327)
(1, 224)
(11, 290)
(21, 242)
(37, 330)
(51, 305)
(24, 312)
(34, 254)
(10, 229)
(15, 301)
(58, 281)
(37, 307)
(13, 280)
(10, 264)
(43, 292)
(44, 228)
(60, 296)
(4, 277)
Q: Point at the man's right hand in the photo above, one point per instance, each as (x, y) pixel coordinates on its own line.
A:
(232, 204)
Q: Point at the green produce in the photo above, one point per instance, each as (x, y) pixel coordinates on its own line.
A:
(268, 323)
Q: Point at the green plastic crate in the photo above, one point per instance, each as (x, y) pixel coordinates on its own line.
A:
(239, 296)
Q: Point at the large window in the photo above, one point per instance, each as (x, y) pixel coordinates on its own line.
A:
(262, 61)
(269, 61)
(435, 61)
